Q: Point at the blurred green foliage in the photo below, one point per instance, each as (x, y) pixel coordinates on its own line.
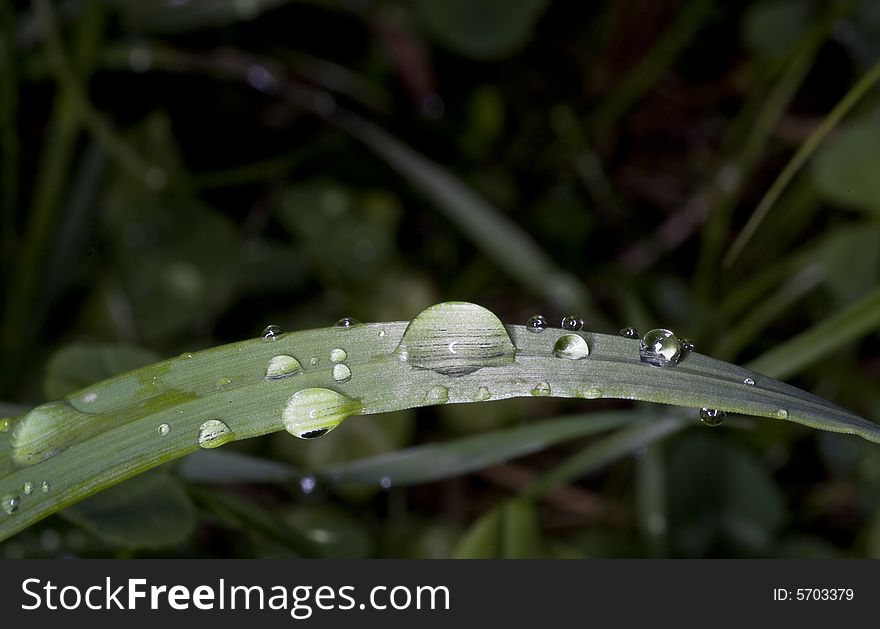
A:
(178, 174)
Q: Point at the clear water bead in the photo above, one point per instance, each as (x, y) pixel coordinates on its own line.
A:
(45, 486)
(338, 355)
(572, 323)
(346, 322)
(163, 430)
(214, 433)
(749, 382)
(542, 389)
(660, 348)
(687, 345)
(712, 416)
(571, 346)
(270, 332)
(28, 487)
(10, 503)
(341, 373)
(629, 333)
(536, 324)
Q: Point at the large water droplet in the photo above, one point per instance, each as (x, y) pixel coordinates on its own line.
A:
(10, 503)
(338, 355)
(341, 373)
(438, 395)
(660, 348)
(572, 323)
(629, 333)
(313, 412)
(163, 430)
(28, 487)
(456, 338)
(45, 486)
(282, 366)
(346, 322)
(542, 389)
(49, 429)
(712, 416)
(214, 433)
(271, 332)
(536, 324)
(571, 346)
(749, 382)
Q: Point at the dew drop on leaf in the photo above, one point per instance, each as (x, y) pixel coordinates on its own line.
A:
(271, 332)
(660, 348)
(536, 324)
(542, 389)
(438, 395)
(313, 412)
(571, 346)
(629, 333)
(346, 322)
(45, 486)
(163, 430)
(28, 487)
(10, 503)
(214, 433)
(572, 323)
(749, 381)
(341, 373)
(282, 366)
(338, 355)
(711, 416)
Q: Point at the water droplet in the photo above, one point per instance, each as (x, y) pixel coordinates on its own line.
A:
(307, 484)
(163, 430)
(381, 334)
(542, 389)
(438, 395)
(337, 355)
(660, 348)
(214, 433)
(313, 412)
(536, 324)
(223, 382)
(687, 345)
(28, 487)
(271, 332)
(572, 323)
(591, 393)
(385, 482)
(781, 413)
(712, 416)
(341, 373)
(456, 338)
(10, 503)
(313, 361)
(483, 393)
(45, 486)
(346, 322)
(282, 366)
(571, 346)
(186, 355)
(749, 381)
(629, 333)
(50, 428)
(5, 424)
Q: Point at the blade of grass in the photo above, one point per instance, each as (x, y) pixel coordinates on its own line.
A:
(804, 153)
(651, 498)
(814, 344)
(123, 415)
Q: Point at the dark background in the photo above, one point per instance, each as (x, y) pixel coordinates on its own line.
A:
(178, 174)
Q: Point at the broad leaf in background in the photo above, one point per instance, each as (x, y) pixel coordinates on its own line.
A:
(483, 30)
(851, 256)
(148, 511)
(846, 167)
(774, 28)
(76, 366)
(509, 531)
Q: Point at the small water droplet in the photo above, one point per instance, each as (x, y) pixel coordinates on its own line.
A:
(28, 487)
(10, 503)
(542, 389)
(338, 355)
(781, 413)
(186, 355)
(687, 345)
(385, 482)
(346, 322)
(438, 395)
(660, 348)
(45, 486)
(313, 412)
(483, 393)
(571, 346)
(572, 323)
(223, 382)
(629, 333)
(282, 366)
(5, 424)
(163, 430)
(271, 332)
(214, 433)
(749, 381)
(382, 334)
(307, 484)
(591, 393)
(712, 416)
(536, 323)
(341, 373)
(313, 361)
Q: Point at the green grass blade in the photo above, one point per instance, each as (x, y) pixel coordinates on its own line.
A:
(814, 344)
(308, 382)
(436, 461)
